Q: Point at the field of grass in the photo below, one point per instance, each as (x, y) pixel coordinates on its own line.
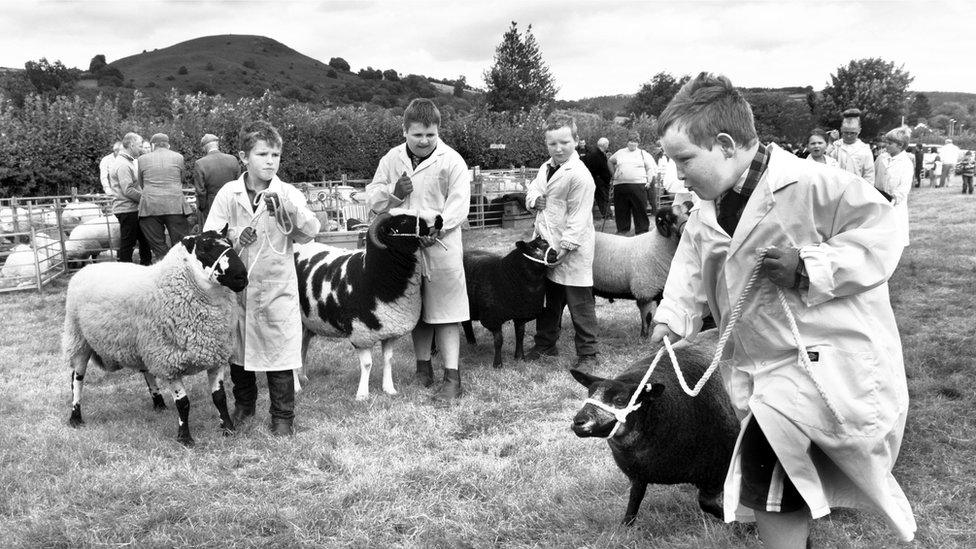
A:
(499, 469)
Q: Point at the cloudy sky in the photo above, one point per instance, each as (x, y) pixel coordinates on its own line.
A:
(592, 47)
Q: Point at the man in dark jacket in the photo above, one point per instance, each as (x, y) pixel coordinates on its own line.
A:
(211, 172)
(162, 208)
(595, 160)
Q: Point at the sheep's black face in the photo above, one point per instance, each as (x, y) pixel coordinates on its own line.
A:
(593, 421)
(670, 222)
(214, 251)
(401, 231)
(538, 248)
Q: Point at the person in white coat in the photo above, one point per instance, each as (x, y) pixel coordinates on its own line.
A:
(894, 171)
(850, 152)
(265, 216)
(821, 428)
(562, 197)
(425, 174)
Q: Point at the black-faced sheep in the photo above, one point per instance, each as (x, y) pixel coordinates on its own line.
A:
(509, 287)
(637, 267)
(671, 438)
(366, 295)
(167, 320)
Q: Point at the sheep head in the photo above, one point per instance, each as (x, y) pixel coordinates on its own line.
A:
(538, 248)
(217, 259)
(594, 421)
(400, 228)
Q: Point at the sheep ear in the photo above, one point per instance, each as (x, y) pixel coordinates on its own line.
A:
(652, 391)
(584, 379)
(223, 232)
(522, 246)
(665, 220)
(188, 243)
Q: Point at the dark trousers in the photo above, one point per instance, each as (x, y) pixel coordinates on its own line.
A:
(582, 309)
(917, 177)
(281, 391)
(153, 227)
(967, 183)
(129, 234)
(630, 200)
(601, 196)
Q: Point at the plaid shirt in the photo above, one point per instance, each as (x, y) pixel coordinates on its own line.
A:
(730, 206)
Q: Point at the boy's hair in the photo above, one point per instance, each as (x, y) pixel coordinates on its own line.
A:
(421, 111)
(258, 131)
(819, 133)
(556, 121)
(707, 106)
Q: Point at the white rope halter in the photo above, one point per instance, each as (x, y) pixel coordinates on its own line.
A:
(416, 228)
(544, 261)
(620, 414)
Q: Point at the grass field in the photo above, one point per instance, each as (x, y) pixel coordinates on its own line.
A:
(499, 469)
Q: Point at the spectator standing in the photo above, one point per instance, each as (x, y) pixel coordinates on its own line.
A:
(967, 168)
(633, 172)
(106, 164)
(919, 157)
(850, 152)
(933, 164)
(211, 172)
(893, 176)
(126, 193)
(949, 155)
(817, 148)
(595, 161)
(162, 209)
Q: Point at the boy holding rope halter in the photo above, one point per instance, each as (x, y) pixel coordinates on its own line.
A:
(265, 216)
(792, 258)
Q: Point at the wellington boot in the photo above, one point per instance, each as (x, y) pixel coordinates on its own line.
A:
(425, 373)
(242, 414)
(282, 427)
(451, 388)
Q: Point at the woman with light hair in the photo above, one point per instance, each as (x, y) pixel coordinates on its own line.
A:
(893, 175)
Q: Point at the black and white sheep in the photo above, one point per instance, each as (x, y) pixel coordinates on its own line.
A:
(671, 438)
(636, 267)
(366, 296)
(168, 320)
(506, 287)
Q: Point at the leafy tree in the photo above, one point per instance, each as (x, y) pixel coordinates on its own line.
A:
(16, 87)
(654, 96)
(182, 70)
(780, 117)
(369, 73)
(918, 109)
(520, 79)
(419, 86)
(97, 64)
(875, 86)
(391, 75)
(459, 85)
(50, 77)
(339, 63)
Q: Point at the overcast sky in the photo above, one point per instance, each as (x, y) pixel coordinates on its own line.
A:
(592, 47)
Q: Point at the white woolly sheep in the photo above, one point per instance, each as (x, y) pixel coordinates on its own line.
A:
(91, 237)
(19, 269)
(636, 267)
(76, 213)
(366, 295)
(167, 320)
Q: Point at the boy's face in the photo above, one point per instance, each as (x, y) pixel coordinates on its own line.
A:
(262, 161)
(706, 172)
(420, 138)
(560, 143)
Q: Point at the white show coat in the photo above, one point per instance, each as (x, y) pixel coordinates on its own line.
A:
(568, 218)
(441, 183)
(268, 322)
(855, 158)
(843, 230)
(893, 175)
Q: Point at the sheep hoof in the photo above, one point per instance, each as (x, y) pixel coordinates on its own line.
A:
(75, 420)
(496, 365)
(362, 396)
(628, 520)
(186, 440)
(227, 428)
(390, 391)
(158, 403)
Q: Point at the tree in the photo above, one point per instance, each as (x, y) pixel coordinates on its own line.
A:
(459, 85)
(391, 75)
(419, 85)
(873, 85)
(50, 78)
(654, 96)
(369, 73)
(520, 79)
(339, 63)
(97, 64)
(919, 109)
(780, 117)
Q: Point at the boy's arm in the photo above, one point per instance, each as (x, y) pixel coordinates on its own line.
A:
(536, 188)
(458, 202)
(861, 253)
(579, 209)
(684, 301)
(379, 193)
(901, 183)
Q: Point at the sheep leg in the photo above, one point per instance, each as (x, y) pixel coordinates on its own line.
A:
(710, 501)
(216, 378)
(637, 490)
(469, 332)
(182, 402)
(157, 398)
(647, 308)
(79, 364)
(499, 340)
(365, 365)
(388, 366)
(519, 339)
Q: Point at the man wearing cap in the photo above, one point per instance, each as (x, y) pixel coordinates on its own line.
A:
(162, 209)
(850, 152)
(211, 172)
(949, 154)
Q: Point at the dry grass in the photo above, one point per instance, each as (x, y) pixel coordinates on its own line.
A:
(501, 468)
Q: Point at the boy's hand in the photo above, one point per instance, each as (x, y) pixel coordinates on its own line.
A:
(540, 203)
(430, 240)
(781, 266)
(403, 188)
(834, 135)
(661, 330)
(271, 201)
(248, 237)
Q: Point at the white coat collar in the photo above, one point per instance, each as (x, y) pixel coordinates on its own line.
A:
(440, 151)
(572, 162)
(240, 191)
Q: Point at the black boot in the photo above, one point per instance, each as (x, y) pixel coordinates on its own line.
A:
(451, 388)
(281, 390)
(425, 373)
(245, 393)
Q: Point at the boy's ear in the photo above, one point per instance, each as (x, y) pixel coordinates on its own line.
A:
(242, 156)
(727, 143)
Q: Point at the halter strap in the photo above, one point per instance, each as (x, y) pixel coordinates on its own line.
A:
(212, 274)
(542, 261)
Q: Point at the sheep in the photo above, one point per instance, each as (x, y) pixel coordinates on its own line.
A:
(92, 237)
(637, 267)
(510, 287)
(168, 320)
(365, 295)
(76, 213)
(671, 438)
(19, 268)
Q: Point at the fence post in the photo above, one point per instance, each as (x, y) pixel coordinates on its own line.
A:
(479, 191)
(14, 216)
(74, 194)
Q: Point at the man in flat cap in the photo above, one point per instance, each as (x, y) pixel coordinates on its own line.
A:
(211, 172)
(162, 209)
(850, 152)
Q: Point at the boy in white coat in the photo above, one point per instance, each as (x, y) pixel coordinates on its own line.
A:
(562, 197)
(820, 430)
(425, 174)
